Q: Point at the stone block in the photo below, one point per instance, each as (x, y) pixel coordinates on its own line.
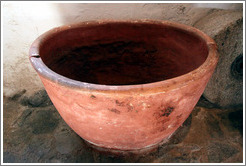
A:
(225, 89)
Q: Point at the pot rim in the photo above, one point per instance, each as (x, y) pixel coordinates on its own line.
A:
(159, 86)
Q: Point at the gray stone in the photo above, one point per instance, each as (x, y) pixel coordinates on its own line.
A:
(236, 120)
(9, 157)
(67, 141)
(217, 152)
(225, 88)
(203, 102)
(18, 137)
(18, 95)
(24, 101)
(39, 99)
(180, 153)
(38, 148)
(213, 127)
(43, 121)
(21, 120)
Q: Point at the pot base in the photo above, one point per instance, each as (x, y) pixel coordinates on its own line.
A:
(147, 149)
(174, 138)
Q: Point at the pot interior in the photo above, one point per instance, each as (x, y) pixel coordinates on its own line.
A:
(123, 53)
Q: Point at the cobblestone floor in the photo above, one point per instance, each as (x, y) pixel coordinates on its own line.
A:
(35, 132)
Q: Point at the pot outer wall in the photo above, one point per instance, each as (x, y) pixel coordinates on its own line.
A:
(126, 121)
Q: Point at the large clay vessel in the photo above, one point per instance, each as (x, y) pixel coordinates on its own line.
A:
(124, 85)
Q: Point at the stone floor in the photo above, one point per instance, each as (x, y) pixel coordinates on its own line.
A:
(35, 132)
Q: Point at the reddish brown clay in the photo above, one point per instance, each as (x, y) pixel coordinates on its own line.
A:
(124, 85)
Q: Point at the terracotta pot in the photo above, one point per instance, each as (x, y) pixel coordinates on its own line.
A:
(124, 85)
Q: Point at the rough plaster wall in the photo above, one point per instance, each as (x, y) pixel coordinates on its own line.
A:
(24, 22)
(183, 13)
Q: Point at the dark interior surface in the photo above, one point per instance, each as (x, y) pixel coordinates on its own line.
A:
(123, 53)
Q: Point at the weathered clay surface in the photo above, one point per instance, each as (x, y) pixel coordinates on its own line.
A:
(225, 88)
(208, 135)
(176, 60)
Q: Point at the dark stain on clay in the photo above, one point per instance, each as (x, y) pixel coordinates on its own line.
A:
(179, 116)
(167, 111)
(119, 103)
(129, 108)
(93, 97)
(114, 110)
